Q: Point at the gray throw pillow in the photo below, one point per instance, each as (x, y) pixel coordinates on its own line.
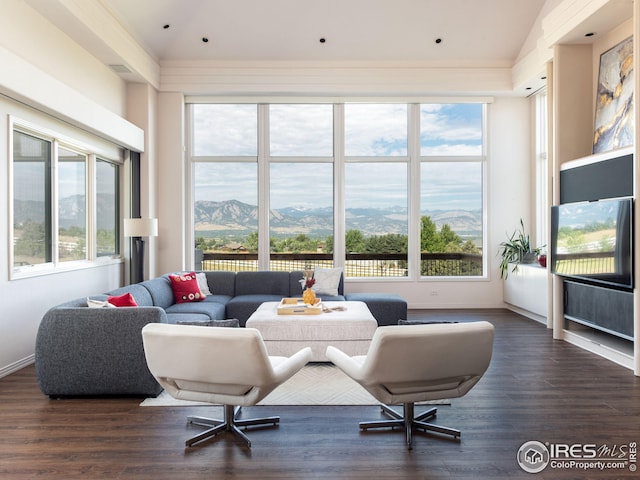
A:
(419, 322)
(232, 322)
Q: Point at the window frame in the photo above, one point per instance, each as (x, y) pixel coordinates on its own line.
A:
(483, 160)
(92, 152)
(412, 159)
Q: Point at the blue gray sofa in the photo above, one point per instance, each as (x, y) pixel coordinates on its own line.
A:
(84, 351)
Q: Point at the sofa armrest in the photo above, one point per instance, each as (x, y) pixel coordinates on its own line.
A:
(95, 351)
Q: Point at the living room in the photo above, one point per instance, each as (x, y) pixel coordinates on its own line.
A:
(58, 79)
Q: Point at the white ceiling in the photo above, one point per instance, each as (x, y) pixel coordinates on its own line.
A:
(488, 33)
(161, 41)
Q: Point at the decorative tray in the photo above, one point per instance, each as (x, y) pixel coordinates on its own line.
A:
(295, 306)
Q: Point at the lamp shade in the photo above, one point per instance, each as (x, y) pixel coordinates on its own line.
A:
(140, 227)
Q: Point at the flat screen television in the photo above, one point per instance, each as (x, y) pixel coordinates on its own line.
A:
(593, 242)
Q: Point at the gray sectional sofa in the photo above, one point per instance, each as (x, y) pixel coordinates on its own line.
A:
(83, 351)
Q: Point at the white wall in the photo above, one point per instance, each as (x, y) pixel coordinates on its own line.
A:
(509, 199)
(42, 67)
(172, 204)
(32, 37)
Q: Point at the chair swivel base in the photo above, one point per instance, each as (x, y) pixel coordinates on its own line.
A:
(412, 423)
(229, 424)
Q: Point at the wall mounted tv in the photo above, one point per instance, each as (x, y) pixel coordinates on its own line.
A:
(593, 242)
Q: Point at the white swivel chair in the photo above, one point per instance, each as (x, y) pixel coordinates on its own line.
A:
(228, 366)
(415, 363)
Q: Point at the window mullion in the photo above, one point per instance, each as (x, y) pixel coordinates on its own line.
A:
(91, 208)
(55, 202)
(414, 191)
(339, 249)
(263, 188)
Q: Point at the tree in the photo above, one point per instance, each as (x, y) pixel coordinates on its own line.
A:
(449, 237)
(429, 238)
(328, 245)
(389, 243)
(251, 242)
(354, 241)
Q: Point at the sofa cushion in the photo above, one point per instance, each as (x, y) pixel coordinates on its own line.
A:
(223, 299)
(295, 287)
(160, 291)
(185, 287)
(387, 308)
(241, 307)
(213, 310)
(231, 322)
(140, 294)
(263, 282)
(221, 282)
(187, 317)
(124, 300)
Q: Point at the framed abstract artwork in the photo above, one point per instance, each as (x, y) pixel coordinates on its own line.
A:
(614, 121)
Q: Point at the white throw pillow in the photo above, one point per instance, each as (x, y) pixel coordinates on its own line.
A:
(203, 284)
(91, 303)
(327, 281)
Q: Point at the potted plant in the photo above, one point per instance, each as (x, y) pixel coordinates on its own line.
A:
(517, 249)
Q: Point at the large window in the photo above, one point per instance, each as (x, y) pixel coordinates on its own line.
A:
(376, 190)
(300, 131)
(282, 186)
(300, 158)
(301, 219)
(54, 204)
(225, 214)
(32, 234)
(451, 190)
(72, 199)
(107, 208)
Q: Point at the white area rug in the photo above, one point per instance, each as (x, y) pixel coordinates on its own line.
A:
(315, 384)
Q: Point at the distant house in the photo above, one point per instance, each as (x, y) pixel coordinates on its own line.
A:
(235, 247)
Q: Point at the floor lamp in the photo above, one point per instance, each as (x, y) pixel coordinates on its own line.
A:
(136, 229)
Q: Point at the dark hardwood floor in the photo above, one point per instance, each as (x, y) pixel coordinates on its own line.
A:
(535, 389)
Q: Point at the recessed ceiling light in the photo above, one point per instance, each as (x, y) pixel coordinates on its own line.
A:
(590, 34)
(543, 78)
(166, 26)
(323, 40)
(438, 40)
(528, 88)
(205, 40)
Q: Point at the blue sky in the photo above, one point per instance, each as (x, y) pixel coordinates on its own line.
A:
(370, 130)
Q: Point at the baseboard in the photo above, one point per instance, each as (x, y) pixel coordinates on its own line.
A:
(594, 346)
(19, 365)
(527, 313)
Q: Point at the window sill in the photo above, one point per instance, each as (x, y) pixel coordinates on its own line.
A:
(32, 271)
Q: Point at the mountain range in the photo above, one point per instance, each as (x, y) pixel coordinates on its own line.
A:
(71, 211)
(232, 217)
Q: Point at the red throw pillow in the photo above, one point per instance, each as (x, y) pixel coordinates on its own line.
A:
(125, 300)
(185, 288)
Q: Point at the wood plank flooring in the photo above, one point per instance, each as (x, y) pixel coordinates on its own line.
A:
(535, 389)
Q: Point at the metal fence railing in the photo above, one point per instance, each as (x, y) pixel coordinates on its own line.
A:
(356, 264)
(584, 263)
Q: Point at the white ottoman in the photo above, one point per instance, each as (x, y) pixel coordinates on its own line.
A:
(350, 330)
